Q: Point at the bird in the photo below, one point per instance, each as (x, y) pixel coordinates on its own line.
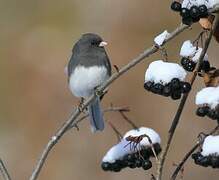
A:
(88, 68)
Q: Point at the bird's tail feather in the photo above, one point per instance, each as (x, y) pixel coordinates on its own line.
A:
(96, 115)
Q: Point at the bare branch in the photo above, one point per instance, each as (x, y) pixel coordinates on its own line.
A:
(182, 104)
(4, 171)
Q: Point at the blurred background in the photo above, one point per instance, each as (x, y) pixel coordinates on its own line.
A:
(36, 39)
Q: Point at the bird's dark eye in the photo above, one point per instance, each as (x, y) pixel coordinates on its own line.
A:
(95, 43)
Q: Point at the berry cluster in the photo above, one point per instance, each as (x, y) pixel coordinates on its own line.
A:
(174, 88)
(193, 14)
(207, 111)
(134, 160)
(189, 65)
(211, 160)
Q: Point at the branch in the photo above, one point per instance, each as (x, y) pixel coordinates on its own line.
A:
(4, 171)
(72, 119)
(182, 104)
(181, 164)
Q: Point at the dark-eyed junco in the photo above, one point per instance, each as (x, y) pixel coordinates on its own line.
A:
(88, 68)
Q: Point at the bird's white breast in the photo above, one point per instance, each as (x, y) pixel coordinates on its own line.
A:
(83, 80)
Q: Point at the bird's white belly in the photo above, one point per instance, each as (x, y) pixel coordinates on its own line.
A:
(83, 80)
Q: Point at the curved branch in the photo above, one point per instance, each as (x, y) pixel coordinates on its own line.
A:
(4, 171)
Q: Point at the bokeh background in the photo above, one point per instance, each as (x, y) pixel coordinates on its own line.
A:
(36, 38)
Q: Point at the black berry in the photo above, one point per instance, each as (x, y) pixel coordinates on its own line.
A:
(106, 166)
(130, 158)
(175, 84)
(211, 114)
(185, 87)
(185, 13)
(194, 12)
(146, 164)
(116, 167)
(184, 61)
(187, 20)
(215, 161)
(167, 90)
(203, 10)
(138, 163)
(189, 66)
(204, 161)
(202, 111)
(205, 66)
(176, 95)
(176, 6)
(145, 153)
(148, 85)
(132, 165)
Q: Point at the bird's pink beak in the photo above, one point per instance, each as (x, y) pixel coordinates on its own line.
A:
(102, 44)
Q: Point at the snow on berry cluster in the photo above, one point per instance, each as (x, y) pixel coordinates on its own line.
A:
(190, 56)
(192, 10)
(209, 156)
(208, 101)
(166, 79)
(132, 154)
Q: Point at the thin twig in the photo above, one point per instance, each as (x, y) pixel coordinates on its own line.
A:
(4, 171)
(128, 120)
(118, 134)
(181, 164)
(152, 147)
(110, 109)
(182, 104)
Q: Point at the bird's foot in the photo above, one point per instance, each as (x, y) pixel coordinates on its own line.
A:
(99, 92)
(81, 104)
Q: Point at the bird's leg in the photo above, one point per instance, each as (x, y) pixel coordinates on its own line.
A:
(81, 103)
(98, 92)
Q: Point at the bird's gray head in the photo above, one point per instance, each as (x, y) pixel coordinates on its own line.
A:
(91, 40)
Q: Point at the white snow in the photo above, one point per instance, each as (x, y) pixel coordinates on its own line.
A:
(189, 3)
(212, 3)
(154, 136)
(210, 146)
(117, 152)
(159, 40)
(197, 55)
(123, 148)
(163, 72)
(208, 95)
(187, 49)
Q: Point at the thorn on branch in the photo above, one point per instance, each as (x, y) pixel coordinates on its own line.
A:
(116, 68)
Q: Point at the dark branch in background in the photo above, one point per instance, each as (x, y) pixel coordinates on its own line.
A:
(73, 117)
(118, 134)
(4, 171)
(182, 104)
(199, 143)
(128, 120)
